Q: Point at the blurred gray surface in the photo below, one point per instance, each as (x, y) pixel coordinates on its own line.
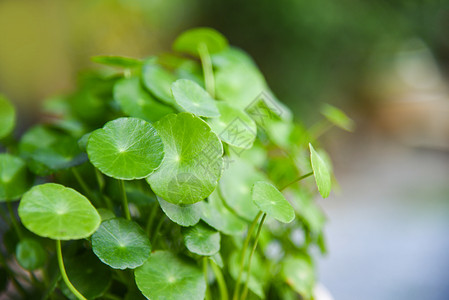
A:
(388, 231)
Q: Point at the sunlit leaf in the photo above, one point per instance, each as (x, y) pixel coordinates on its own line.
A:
(338, 117)
(126, 148)
(268, 198)
(184, 215)
(55, 211)
(202, 239)
(193, 160)
(190, 40)
(321, 173)
(165, 276)
(121, 244)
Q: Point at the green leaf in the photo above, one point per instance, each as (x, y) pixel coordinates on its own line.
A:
(126, 148)
(30, 254)
(121, 244)
(14, 177)
(268, 198)
(321, 173)
(89, 276)
(135, 101)
(257, 273)
(235, 187)
(184, 215)
(7, 117)
(310, 213)
(105, 214)
(117, 61)
(337, 117)
(190, 40)
(158, 81)
(202, 240)
(193, 160)
(298, 272)
(54, 211)
(47, 150)
(234, 126)
(165, 276)
(215, 214)
(193, 98)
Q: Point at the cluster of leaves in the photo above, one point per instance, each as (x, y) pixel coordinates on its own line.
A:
(156, 175)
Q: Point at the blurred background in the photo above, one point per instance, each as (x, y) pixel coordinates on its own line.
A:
(384, 62)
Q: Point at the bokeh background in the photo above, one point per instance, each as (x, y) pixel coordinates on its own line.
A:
(384, 62)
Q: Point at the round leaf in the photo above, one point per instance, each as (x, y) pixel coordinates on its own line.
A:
(338, 117)
(117, 61)
(193, 98)
(60, 213)
(234, 126)
(193, 160)
(321, 173)
(215, 214)
(89, 276)
(121, 244)
(184, 215)
(272, 202)
(30, 254)
(235, 187)
(126, 148)
(165, 276)
(7, 117)
(158, 81)
(135, 101)
(14, 177)
(47, 150)
(299, 274)
(190, 40)
(202, 240)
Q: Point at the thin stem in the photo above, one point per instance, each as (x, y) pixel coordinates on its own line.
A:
(12, 216)
(220, 280)
(206, 278)
(151, 218)
(156, 232)
(64, 274)
(245, 289)
(125, 200)
(206, 63)
(242, 259)
(296, 180)
(81, 182)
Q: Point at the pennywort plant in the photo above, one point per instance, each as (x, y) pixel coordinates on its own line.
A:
(178, 176)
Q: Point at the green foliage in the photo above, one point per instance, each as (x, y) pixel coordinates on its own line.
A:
(194, 171)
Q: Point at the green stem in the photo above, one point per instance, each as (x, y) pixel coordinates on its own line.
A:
(296, 180)
(81, 182)
(125, 200)
(156, 232)
(151, 218)
(242, 259)
(248, 270)
(64, 274)
(220, 280)
(12, 216)
(206, 63)
(206, 278)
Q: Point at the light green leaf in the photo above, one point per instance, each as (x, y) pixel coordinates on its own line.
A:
(235, 187)
(202, 240)
(165, 276)
(190, 40)
(117, 61)
(268, 198)
(54, 211)
(126, 148)
(193, 160)
(193, 98)
(14, 177)
(7, 117)
(215, 214)
(234, 126)
(184, 215)
(158, 81)
(337, 117)
(89, 276)
(298, 272)
(121, 244)
(47, 150)
(135, 101)
(321, 173)
(30, 254)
